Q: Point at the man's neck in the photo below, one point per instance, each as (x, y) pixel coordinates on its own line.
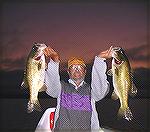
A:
(76, 83)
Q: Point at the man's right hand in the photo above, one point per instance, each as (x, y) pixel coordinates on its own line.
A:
(51, 54)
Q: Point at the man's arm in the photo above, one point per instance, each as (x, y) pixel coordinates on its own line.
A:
(52, 78)
(99, 83)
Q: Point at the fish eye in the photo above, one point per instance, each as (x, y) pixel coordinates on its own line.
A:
(116, 48)
(37, 45)
(121, 51)
(34, 47)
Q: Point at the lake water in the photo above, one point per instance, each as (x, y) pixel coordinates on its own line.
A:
(15, 118)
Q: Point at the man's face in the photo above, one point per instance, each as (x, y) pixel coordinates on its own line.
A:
(77, 72)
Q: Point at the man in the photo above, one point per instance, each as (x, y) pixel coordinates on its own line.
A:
(76, 99)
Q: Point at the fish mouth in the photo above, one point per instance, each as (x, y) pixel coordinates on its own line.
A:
(37, 58)
(117, 59)
(40, 46)
(39, 53)
(118, 62)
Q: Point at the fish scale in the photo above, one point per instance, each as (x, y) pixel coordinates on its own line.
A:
(34, 75)
(122, 81)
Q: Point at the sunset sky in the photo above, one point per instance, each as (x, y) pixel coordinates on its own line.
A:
(74, 29)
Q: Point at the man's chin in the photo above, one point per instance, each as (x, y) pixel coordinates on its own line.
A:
(78, 79)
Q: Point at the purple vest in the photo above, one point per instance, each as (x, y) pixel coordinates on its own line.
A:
(75, 108)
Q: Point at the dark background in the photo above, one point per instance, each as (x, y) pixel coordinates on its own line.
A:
(72, 29)
(13, 102)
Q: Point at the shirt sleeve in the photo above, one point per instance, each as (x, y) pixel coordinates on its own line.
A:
(99, 83)
(52, 79)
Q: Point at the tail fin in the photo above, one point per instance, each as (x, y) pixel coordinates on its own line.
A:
(33, 106)
(125, 113)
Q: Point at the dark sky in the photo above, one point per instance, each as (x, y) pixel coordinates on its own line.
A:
(73, 29)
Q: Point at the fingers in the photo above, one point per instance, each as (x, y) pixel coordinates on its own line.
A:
(51, 54)
(110, 50)
(107, 53)
(48, 51)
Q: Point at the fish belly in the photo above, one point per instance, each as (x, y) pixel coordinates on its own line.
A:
(121, 83)
(35, 81)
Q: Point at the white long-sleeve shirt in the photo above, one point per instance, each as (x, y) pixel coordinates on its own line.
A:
(99, 85)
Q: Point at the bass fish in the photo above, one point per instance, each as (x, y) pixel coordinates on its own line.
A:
(34, 75)
(122, 81)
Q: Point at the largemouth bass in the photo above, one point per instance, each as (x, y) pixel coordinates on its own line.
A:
(34, 75)
(122, 81)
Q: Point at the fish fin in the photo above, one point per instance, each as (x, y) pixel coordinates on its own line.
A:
(131, 72)
(109, 72)
(33, 106)
(133, 90)
(125, 113)
(24, 84)
(47, 60)
(46, 66)
(43, 88)
(39, 65)
(114, 96)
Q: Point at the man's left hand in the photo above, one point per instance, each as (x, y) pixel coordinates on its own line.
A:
(107, 53)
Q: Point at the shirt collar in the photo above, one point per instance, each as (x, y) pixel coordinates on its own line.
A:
(72, 82)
